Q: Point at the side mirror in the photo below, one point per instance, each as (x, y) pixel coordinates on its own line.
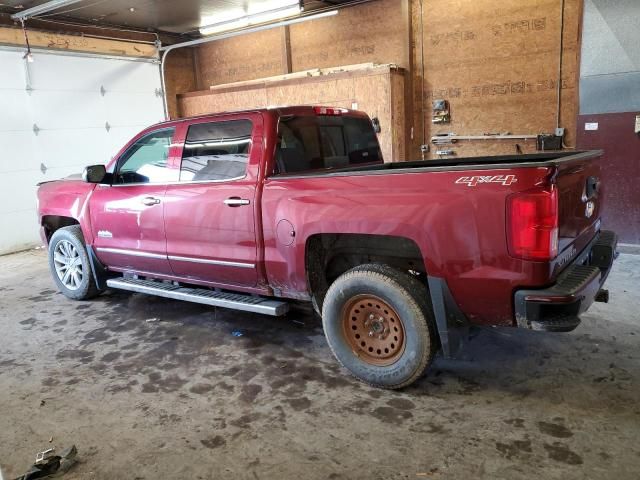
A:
(94, 173)
(375, 121)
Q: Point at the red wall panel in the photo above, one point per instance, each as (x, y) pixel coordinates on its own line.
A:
(620, 170)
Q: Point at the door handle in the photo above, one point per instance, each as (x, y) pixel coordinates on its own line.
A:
(236, 202)
(150, 201)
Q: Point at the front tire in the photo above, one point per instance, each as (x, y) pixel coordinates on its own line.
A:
(380, 326)
(69, 264)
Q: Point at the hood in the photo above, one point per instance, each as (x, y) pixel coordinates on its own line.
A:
(72, 177)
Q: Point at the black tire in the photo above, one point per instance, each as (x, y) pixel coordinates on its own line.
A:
(407, 297)
(86, 286)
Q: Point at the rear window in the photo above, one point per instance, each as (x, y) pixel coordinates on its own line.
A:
(308, 143)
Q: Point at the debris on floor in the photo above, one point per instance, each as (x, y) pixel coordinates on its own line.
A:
(237, 333)
(152, 320)
(48, 465)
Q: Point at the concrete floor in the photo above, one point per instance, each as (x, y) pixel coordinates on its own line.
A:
(181, 397)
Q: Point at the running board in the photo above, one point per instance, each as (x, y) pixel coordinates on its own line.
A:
(235, 301)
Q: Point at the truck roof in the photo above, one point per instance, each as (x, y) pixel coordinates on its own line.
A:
(275, 110)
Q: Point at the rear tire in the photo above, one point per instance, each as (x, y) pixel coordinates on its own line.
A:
(69, 264)
(380, 326)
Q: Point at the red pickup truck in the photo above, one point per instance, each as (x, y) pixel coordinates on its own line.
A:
(247, 210)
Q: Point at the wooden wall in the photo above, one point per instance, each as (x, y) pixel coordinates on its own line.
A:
(495, 62)
(377, 32)
(180, 77)
(497, 65)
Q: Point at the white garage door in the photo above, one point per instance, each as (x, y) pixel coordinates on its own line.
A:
(59, 114)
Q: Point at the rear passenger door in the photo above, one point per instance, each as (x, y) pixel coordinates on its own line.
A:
(210, 212)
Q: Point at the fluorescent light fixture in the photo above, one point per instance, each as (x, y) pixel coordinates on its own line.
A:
(224, 26)
(271, 15)
(254, 14)
(43, 8)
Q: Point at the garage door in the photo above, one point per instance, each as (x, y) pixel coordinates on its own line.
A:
(58, 114)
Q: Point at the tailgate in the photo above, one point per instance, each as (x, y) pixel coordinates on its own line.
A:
(579, 201)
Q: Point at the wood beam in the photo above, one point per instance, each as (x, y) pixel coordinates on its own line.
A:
(76, 43)
(286, 50)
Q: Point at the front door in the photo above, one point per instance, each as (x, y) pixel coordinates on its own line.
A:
(127, 216)
(210, 213)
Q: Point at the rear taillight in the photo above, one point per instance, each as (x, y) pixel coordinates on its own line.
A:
(532, 224)
(329, 111)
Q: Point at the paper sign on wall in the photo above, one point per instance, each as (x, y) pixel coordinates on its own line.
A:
(591, 126)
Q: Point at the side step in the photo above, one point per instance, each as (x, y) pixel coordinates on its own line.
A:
(235, 301)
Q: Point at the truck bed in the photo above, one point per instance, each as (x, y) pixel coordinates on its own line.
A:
(452, 164)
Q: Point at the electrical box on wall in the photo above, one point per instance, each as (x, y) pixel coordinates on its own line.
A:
(440, 112)
(547, 141)
(637, 130)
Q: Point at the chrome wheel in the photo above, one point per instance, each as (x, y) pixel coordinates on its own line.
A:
(68, 265)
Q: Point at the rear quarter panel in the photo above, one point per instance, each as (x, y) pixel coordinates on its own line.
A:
(459, 228)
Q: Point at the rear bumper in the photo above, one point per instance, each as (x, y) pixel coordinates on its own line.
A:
(558, 308)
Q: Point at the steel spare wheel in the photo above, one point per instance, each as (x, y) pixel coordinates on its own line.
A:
(373, 329)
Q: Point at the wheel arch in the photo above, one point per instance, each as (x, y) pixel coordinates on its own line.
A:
(329, 255)
(51, 223)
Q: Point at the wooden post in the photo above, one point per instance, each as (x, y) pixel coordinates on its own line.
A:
(286, 50)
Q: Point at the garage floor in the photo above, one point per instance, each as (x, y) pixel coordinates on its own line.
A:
(152, 388)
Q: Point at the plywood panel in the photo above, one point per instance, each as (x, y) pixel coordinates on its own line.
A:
(209, 102)
(180, 77)
(377, 91)
(376, 32)
(339, 92)
(497, 65)
(246, 57)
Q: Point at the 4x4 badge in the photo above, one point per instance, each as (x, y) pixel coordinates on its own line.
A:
(505, 180)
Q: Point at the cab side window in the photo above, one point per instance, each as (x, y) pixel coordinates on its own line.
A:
(216, 151)
(146, 161)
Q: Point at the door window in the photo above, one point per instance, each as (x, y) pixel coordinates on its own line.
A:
(216, 151)
(146, 161)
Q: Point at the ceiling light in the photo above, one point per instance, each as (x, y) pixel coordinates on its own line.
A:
(224, 26)
(42, 8)
(272, 6)
(271, 15)
(254, 14)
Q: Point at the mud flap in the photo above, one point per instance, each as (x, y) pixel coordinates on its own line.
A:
(453, 326)
(100, 274)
